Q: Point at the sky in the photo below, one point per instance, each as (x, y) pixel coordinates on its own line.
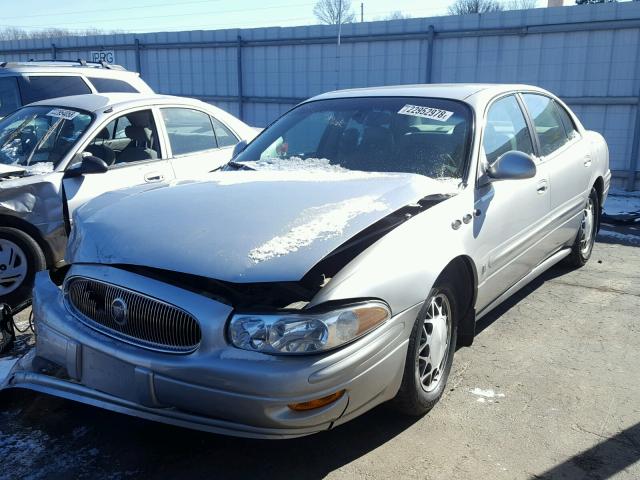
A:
(166, 15)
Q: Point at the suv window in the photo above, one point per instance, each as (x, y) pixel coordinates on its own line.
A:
(9, 95)
(36, 88)
(547, 122)
(224, 136)
(189, 130)
(506, 129)
(110, 85)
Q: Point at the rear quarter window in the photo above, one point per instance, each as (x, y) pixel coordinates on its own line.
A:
(111, 85)
(35, 88)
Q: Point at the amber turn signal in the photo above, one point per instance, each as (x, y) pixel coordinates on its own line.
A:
(317, 403)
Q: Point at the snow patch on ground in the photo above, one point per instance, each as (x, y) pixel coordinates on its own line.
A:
(486, 395)
(317, 223)
(617, 204)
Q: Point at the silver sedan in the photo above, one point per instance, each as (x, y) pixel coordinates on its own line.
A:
(335, 265)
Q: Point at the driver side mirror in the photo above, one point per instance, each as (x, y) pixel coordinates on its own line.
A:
(512, 165)
(88, 164)
(240, 146)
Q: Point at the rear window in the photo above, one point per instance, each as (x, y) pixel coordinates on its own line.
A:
(110, 85)
(36, 88)
(9, 95)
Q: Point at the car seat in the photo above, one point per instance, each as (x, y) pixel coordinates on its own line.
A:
(138, 149)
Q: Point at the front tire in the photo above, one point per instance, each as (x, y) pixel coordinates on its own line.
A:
(586, 237)
(430, 353)
(20, 258)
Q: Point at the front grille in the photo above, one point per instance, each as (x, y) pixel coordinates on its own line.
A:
(132, 317)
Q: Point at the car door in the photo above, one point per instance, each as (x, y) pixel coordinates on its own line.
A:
(510, 214)
(566, 156)
(199, 143)
(130, 145)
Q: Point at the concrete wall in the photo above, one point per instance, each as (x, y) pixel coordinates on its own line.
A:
(587, 54)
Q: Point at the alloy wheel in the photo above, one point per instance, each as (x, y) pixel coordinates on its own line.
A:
(13, 266)
(587, 227)
(433, 349)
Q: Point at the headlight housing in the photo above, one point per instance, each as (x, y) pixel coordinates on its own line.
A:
(299, 332)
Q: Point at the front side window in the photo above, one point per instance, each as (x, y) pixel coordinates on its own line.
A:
(35, 88)
(189, 131)
(506, 129)
(127, 139)
(547, 122)
(9, 95)
(111, 85)
(427, 136)
(40, 135)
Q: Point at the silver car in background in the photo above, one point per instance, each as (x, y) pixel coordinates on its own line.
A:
(57, 154)
(335, 265)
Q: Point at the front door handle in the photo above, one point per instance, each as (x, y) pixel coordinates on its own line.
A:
(153, 177)
(542, 187)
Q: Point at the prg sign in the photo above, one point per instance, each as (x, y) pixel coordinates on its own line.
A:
(107, 56)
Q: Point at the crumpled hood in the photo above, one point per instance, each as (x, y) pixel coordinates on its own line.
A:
(243, 226)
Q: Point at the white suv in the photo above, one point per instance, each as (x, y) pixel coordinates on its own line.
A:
(22, 83)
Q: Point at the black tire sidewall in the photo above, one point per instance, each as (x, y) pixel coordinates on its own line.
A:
(35, 262)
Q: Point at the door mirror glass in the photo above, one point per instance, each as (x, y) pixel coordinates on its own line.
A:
(512, 165)
(88, 165)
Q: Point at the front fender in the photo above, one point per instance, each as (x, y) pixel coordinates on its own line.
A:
(402, 266)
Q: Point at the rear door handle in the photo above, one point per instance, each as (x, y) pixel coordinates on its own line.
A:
(587, 161)
(153, 177)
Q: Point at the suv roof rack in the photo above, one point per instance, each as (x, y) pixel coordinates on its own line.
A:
(80, 62)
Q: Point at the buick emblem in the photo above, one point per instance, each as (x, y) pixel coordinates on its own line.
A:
(119, 312)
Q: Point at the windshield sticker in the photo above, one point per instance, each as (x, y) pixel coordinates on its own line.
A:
(426, 112)
(62, 113)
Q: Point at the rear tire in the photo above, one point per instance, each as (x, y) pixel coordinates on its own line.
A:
(20, 258)
(586, 236)
(430, 353)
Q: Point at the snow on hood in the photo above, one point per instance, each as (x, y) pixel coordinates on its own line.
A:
(7, 170)
(242, 226)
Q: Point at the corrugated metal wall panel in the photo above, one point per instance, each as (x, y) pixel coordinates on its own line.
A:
(603, 61)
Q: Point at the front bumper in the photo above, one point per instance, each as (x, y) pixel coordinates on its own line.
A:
(217, 388)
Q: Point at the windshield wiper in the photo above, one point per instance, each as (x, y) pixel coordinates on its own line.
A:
(235, 166)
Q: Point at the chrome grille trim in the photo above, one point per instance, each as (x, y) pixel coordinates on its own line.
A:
(150, 323)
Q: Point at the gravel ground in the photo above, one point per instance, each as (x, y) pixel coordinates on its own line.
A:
(550, 389)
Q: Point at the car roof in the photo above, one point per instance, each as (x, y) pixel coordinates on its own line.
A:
(455, 91)
(60, 66)
(95, 102)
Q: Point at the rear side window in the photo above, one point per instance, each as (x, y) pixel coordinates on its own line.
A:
(36, 88)
(189, 130)
(224, 136)
(506, 129)
(547, 121)
(110, 85)
(567, 122)
(9, 95)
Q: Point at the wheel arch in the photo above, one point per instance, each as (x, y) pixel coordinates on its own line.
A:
(462, 272)
(599, 186)
(32, 231)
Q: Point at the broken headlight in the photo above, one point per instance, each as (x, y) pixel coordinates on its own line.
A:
(305, 332)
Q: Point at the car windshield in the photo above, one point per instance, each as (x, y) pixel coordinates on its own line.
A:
(427, 136)
(38, 138)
